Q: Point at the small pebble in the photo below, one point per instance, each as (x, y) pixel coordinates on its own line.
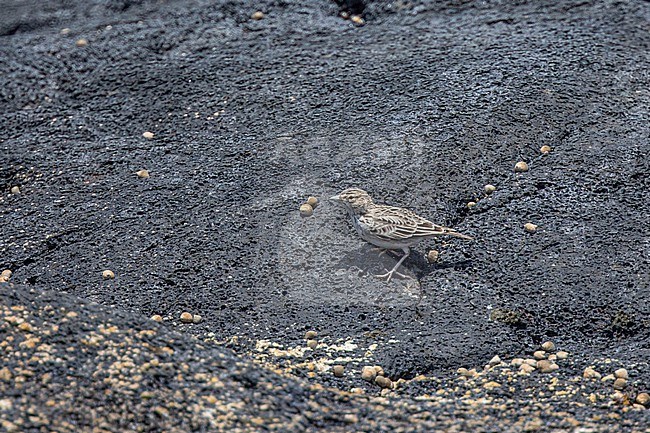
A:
(65, 31)
(15, 190)
(157, 318)
(530, 228)
(357, 20)
(521, 166)
(338, 370)
(466, 373)
(379, 370)
(620, 383)
(539, 354)
(306, 210)
(259, 15)
(148, 135)
(489, 189)
(526, 368)
(516, 362)
(196, 318)
(643, 398)
(471, 204)
(368, 373)
(545, 149)
(496, 360)
(562, 354)
(432, 256)
(187, 317)
(590, 373)
(608, 377)
(546, 366)
(313, 202)
(383, 382)
(548, 346)
(82, 42)
(142, 174)
(6, 273)
(312, 344)
(310, 335)
(26, 326)
(350, 418)
(619, 397)
(531, 362)
(108, 274)
(491, 385)
(621, 373)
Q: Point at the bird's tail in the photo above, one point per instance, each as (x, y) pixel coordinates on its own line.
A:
(454, 233)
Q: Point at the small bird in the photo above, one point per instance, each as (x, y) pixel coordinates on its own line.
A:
(389, 227)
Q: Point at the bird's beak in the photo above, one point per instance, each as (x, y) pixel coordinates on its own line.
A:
(335, 198)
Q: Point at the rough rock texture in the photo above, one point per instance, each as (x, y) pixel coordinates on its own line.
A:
(423, 106)
(71, 366)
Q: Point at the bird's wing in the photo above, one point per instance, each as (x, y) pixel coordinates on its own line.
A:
(394, 223)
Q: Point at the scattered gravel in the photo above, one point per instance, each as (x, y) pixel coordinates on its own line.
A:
(521, 166)
(193, 385)
(530, 227)
(539, 354)
(548, 346)
(621, 373)
(620, 383)
(383, 382)
(356, 19)
(306, 210)
(368, 373)
(562, 354)
(546, 366)
(433, 256)
(590, 373)
(643, 398)
(5, 275)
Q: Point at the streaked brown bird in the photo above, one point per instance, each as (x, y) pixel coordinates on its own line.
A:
(389, 227)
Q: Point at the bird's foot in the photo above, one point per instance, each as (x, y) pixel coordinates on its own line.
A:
(389, 275)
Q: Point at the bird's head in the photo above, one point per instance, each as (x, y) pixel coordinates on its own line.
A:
(355, 199)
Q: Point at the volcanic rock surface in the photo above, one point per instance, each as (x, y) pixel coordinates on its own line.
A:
(239, 120)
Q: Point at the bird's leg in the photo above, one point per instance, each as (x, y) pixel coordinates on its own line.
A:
(389, 274)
